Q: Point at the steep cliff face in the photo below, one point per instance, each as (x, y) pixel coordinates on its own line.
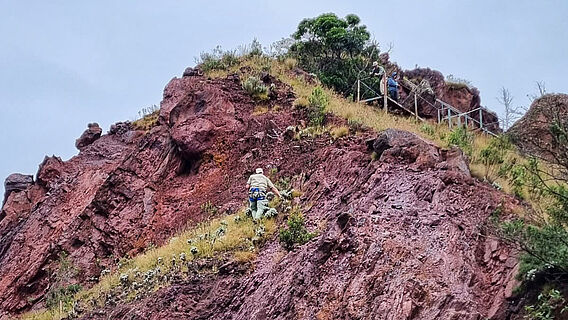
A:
(128, 188)
(399, 237)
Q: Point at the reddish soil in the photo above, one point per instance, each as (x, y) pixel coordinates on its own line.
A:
(402, 237)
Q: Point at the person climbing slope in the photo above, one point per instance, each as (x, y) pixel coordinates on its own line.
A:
(257, 185)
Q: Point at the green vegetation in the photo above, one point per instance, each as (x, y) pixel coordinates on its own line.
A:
(354, 125)
(427, 129)
(62, 290)
(296, 233)
(542, 235)
(542, 238)
(493, 156)
(333, 48)
(217, 60)
(457, 83)
(234, 235)
(549, 304)
(61, 295)
(255, 88)
(209, 209)
(462, 138)
(318, 101)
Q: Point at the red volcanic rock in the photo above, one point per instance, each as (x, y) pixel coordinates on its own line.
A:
(397, 146)
(194, 136)
(17, 196)
(199, 117)
(393, 243)
(89, 136)
(50, 171)
(398, 237)
(17, 182)
(462, 97)
(532, 132)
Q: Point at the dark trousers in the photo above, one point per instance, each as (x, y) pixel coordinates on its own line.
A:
(393, 94)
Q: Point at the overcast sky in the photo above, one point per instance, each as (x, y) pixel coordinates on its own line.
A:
(66, 63)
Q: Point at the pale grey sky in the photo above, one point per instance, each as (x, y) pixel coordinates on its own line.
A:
(66, 63)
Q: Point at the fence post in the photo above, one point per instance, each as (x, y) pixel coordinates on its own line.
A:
(358, 90)
(385, 92)
(415, 106)
(480, 119)
(438, 115)
(450, 118)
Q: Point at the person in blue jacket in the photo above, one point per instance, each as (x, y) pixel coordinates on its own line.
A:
(393, 87)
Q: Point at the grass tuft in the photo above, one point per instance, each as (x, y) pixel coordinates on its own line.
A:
(234, 234)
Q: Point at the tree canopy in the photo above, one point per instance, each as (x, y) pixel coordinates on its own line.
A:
(335, 49)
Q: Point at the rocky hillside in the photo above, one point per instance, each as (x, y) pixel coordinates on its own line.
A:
(532, 132)
(401, 226)
(462, 96)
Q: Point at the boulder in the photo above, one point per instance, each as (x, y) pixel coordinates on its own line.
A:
(192, 72)
(193, 137)
(17, 182)
(120, 128)
(403, 147)
(89, 136)
(396, 146)
(197, 117)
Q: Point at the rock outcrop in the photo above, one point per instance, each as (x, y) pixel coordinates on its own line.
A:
(89, 136)
(402, 237)
(532, 132)
(399, 238)
(15, 194)
(463, 97)
(17, 182)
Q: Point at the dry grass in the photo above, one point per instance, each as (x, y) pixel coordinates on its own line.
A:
(374, 117)
(290, 63)
(301, 102)
(338, 132)
(147, 122)
(245, 256)
(45, 315)
(236, 239)
(258, 110)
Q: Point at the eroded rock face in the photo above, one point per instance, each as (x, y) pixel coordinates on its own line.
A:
(397, 146)
(532, 132)
(50, 171)
(127, 189)
(397, 237)
(89, 136)
(395, 241)
(463, 98)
